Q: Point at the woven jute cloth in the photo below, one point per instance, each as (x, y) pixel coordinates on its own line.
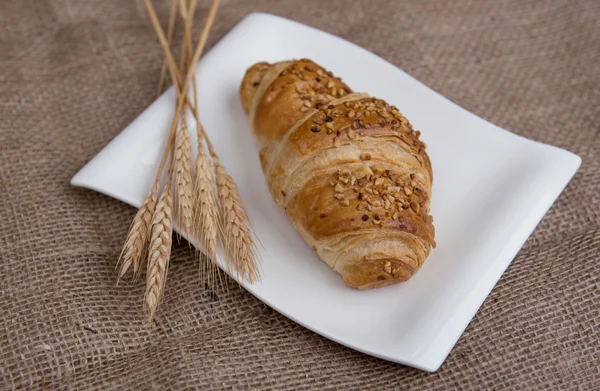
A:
(73, 74)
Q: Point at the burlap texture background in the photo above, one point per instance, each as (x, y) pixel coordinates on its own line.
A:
(74, 73)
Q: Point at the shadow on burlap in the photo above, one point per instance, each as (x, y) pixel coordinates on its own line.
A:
(73, 74)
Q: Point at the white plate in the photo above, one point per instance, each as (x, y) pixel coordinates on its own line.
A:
(491, 189)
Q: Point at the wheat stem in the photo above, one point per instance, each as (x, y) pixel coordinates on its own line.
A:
(206, 209)
(234, 226)
(172, 66)
(170, 32)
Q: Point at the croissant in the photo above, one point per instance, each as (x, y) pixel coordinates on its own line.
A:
(348, 170)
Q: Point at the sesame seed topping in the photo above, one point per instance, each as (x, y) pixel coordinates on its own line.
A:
(357, 124)
(365, 218)
(387, 267)
(315, 129)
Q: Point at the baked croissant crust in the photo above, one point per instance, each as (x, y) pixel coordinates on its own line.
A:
(347, 168)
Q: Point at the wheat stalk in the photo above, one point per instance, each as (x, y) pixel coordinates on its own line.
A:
(136, 243)
(183, 159)
(160, 251)
(206, 208)
(237, 238)
(233, 226)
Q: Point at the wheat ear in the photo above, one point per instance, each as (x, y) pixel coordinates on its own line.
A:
(159, 253)
(237, 239)
(136, 243)
(183, 179)
(206, 209)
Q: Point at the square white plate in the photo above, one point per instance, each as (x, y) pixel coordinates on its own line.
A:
(491, 189)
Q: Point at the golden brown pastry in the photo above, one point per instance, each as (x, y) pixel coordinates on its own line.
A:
(347, 168)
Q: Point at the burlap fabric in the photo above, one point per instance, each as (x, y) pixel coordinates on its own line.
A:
(74, 73)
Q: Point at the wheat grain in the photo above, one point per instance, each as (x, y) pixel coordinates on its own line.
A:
(183, 179)
(136, 243)
(237, 238)
(160, 250)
